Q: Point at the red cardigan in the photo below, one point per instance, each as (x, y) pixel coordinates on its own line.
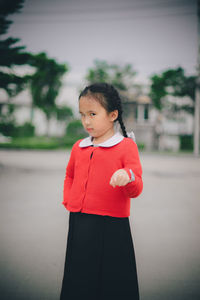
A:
(88, 173)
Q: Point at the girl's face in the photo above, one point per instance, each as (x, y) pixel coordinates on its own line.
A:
(95, 119)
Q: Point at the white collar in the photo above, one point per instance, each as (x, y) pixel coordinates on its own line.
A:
(114, 140)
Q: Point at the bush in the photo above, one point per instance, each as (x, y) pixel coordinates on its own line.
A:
(13, 130)
(75, 129)
(25, 130)
(7, 128)
(186, 142)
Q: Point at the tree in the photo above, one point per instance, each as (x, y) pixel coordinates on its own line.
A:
(10, 54)
(45, 84)
(172, 82)
(10, 57)
(120, 76)
(8, 7)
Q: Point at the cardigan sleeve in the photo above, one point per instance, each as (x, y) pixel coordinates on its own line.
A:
(132, 161)
(69, 176)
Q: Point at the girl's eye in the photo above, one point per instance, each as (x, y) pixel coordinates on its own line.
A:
(92, 114)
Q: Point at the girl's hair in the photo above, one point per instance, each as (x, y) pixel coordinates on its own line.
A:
(108, 97)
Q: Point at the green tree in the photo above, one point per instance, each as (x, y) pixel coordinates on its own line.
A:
(10, 54)
(45, 84)
(172, 82)
(10, 57)
(120, 76)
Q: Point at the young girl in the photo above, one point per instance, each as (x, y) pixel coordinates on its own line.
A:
(103, 173)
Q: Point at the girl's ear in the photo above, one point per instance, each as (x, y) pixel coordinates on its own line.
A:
(114, 115)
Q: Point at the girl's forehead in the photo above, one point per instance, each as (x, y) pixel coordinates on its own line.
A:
(90, 102)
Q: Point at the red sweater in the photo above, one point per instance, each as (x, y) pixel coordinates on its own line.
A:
(88, 173)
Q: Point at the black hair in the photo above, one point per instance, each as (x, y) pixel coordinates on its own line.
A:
(108, 97)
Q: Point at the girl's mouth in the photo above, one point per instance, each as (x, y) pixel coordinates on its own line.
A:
(89, 129)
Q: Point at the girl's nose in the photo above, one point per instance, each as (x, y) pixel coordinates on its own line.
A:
(87, 122)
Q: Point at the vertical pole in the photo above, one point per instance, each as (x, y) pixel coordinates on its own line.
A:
(197, 92)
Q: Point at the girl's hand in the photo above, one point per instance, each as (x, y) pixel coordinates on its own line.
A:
(120, 178)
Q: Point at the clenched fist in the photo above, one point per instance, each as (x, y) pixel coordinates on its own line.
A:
(120, 178)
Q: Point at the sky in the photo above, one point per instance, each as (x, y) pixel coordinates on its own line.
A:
(152, 35)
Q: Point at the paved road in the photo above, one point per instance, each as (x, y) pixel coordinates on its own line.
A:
(165, 223)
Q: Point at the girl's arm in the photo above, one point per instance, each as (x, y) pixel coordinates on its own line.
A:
(130, 177)
(69, 176)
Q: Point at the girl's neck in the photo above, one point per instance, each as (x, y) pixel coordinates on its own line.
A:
(103, 138)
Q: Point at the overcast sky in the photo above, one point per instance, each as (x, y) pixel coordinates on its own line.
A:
(152, 35)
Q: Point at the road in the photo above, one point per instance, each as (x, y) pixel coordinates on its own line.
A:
(165, 225)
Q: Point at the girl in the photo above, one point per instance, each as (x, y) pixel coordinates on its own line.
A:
(103, 173)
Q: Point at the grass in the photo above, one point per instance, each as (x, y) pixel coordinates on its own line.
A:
(43, 142)
(39, 142)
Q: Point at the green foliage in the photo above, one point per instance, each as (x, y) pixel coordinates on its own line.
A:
(157, 90)
(7, 128)
(13, 130)
(63, 113)
(45, 83)
(7, 120)
(8, 125)
(8, 7)
(12, 83)
(141, 146)
(10, 54)
(120, 76)
(172, 82)
(75, 128)
(100, 72)
(186, 142)
(31, 143)
(39, 142)
(25, 130)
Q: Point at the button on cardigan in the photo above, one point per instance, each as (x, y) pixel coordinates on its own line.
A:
(88, 174)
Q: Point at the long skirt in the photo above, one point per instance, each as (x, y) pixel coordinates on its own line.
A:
(100, 260)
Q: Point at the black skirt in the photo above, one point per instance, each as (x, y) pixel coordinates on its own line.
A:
(100, 260)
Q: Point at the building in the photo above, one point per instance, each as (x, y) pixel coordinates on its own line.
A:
(139, 116)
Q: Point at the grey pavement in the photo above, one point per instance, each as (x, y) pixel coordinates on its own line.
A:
(165, 223)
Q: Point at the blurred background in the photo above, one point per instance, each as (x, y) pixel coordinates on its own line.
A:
(49, 51)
